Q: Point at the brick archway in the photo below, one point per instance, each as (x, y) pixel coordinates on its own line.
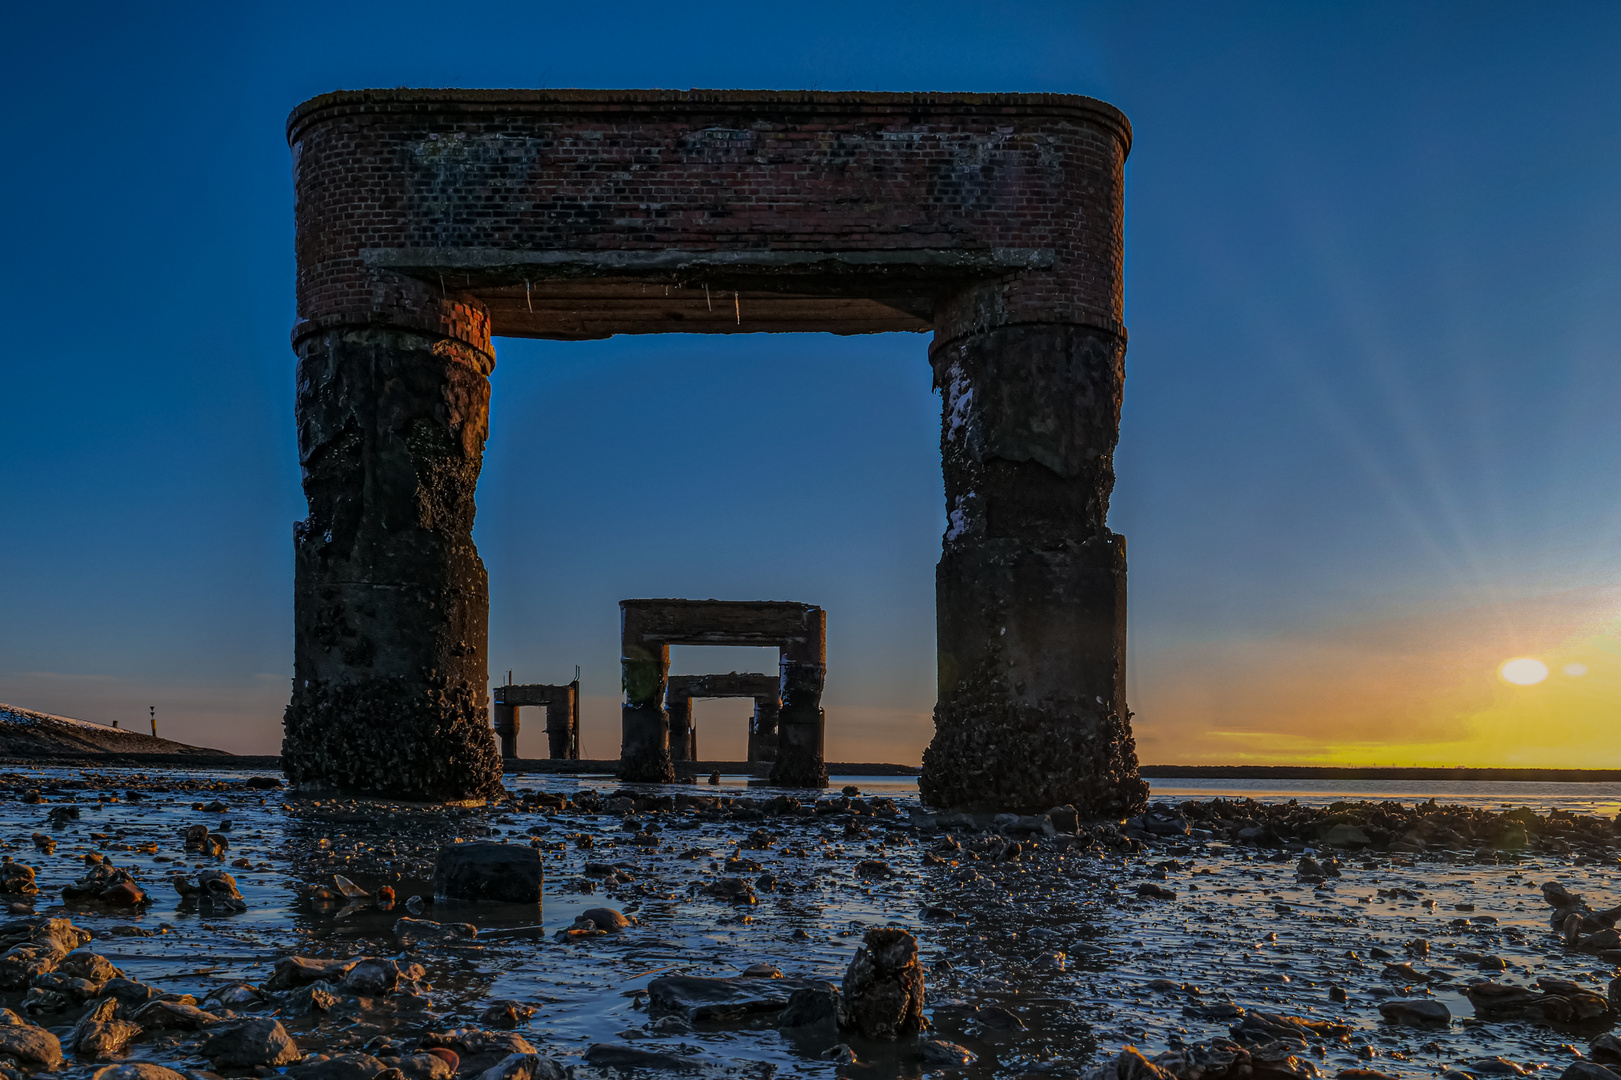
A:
(429, 221)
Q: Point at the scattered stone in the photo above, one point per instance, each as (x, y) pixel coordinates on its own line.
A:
(138, 1070)
(882, 995)
(28, 1044)
(1417, 1012)
(244, 1044)
(416, 931)
(945, 1054)
(500, 873)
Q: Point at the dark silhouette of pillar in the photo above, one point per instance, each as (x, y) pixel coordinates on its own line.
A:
(1031, 584)
(683, 733)
(390, 597)
(800, 721)
(644, 748)
(763, 731)
(504, 718)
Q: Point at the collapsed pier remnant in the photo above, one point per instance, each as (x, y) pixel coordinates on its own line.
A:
(797, 631)
(684, 689)
(562, 703)
(428, 221)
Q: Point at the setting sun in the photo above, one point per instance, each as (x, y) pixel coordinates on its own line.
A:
(1524, 671)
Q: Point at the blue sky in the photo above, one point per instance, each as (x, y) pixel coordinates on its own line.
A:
(1369, 447)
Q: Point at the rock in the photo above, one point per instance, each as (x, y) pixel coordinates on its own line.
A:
(1417, 1012)
(524, 1067)
(1496, 1066)
(131, 992)
(1345, 836)
(998, 1018)
(882, 995)
(308, 1000)
(1258, 1028)
(138, 1070)
(1155, 892)
(162, 1015)
(1065, 819)
(414, 931)
(92, 967)
(500, 873)
(737, 890)
(506, 1013)
(721, 1000)
(1586, 1070)
(218, 890)
(946, 1055)
(235, 995)
(811, 1006)
(630, 1058)
(295, 971)
(371, 977)
(244, 1044)
(17, 879)
(603, 918)
(339, 1067)
(105, 885)
(99, 1036)
(29, 1044)
(477, 1049)
(1162, 820)
(841, 1055)
(1131, 1065)
(1606, 1050)
(871, 869)
(427, 1065)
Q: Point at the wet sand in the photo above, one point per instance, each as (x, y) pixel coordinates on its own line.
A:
(1045, 954)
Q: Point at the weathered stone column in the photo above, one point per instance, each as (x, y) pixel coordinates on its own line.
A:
(763, 731)
(644, 749)
(560, 720)
(390, 597)
(506, 728)
(803, 668)
(683, 737)
(1031, 584)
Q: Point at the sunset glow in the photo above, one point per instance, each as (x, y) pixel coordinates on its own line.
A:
(1524, 671)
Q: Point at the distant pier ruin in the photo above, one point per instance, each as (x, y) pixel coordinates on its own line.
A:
(430, 221)
(683, 690)
(562, 704)
(797, 631)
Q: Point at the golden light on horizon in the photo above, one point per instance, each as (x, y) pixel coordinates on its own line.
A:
(1524, 671)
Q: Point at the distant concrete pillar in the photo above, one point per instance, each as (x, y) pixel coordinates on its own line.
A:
(644, 754)
(506, 728)
(763, 731)
(683, 733)
(390, 601)
(800, 722)
(562, 722)
(1031, 585)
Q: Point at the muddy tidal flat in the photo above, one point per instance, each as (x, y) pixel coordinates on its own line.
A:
(1216, 937)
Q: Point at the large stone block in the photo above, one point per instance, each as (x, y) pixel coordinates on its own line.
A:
(499, 873)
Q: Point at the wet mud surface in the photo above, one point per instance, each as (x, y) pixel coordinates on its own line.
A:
(1045, 951)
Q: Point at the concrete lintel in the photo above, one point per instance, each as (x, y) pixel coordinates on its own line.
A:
(532, 693)
(731, 685)
(723, 622)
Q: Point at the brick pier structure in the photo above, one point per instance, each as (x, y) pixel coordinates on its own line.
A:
(429, 221)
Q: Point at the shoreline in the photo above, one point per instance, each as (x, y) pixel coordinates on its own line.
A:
(609, 766)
